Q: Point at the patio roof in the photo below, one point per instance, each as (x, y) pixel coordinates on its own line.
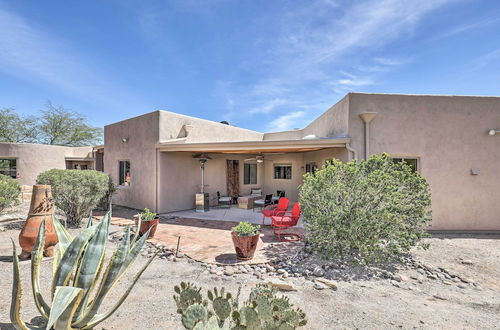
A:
(246, 147)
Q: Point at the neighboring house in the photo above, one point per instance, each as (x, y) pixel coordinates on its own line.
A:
(446, 138)
(25, 161)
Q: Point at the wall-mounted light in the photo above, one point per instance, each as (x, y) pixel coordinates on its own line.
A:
(125, 140)
(493, 132)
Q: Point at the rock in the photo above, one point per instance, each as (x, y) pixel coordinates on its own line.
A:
(467, 262)
(180, 255)
(283, 286)
(219, 273)
(395, 283)
(269, 268)
(319, 286)
(432, 277)
(318, 272)
(447, 282)
(462, 286)
(467, 280)
(429, 267)
(439, 297)
(229, 271)
(332, 285)
(281, 271)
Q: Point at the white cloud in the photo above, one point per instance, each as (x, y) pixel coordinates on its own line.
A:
(355, 82)
(268, 106)
(30, 53)
(287, 121)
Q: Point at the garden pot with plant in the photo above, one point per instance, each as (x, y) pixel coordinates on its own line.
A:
(148, 220)
(245, 238)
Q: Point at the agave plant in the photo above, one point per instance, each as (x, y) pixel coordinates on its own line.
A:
(80, 280)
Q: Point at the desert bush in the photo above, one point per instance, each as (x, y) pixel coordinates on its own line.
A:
(374, 210)
(75, 192)
(9, 192)
(263, 309)
(106, 200)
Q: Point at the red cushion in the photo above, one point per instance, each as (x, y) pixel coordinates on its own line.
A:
(269, 212)
(284, 221)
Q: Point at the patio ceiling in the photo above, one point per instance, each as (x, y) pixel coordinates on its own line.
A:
(246, 147)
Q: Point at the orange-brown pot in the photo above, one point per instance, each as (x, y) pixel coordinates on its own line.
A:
(245, 246)
(145, 225)
(42, 207)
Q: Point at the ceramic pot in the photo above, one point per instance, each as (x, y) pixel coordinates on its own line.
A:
(245, 246)
(41, 207)
(145, 225)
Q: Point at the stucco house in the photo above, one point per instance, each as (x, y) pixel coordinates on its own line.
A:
(25, 161)
(450, 140)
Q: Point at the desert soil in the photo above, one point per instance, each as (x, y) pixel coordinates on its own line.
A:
(414, 302)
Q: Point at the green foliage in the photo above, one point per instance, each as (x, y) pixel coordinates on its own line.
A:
(9, 192)
(81, 280)
(106, 200)
(76, 192)
(246, 229)
(61, 126)
(263, 310)
(147, 215)
(56, 125)
(374, 210)
(17, 129)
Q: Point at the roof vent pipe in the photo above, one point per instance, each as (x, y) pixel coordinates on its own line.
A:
(367, 117)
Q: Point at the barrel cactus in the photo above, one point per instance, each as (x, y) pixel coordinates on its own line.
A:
(263, 310)
(81, 280)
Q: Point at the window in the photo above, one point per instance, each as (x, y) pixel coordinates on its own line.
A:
(250, 174)
(8, 167)
(283, 171)
(124, 173)
(412, 162)
(311, 168)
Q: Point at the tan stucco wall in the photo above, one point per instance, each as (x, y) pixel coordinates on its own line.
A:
(33, 159)
(142, 135)
(450, 136)
(171, 127)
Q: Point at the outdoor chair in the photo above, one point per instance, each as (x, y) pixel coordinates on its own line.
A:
(224, 200)
(279, 194)
(284, 220)
(272, 210)
(262, 203)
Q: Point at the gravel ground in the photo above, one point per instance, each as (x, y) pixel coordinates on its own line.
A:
(411, 299)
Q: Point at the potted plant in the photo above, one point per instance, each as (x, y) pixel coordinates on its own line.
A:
(148, 220)
(245, 238)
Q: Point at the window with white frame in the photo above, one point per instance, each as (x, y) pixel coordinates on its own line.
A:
(250, 173)
(410, 161)
(8, 166)
(124, 176)
(283, 171)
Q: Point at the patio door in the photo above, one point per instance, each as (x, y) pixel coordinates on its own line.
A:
(233, 177)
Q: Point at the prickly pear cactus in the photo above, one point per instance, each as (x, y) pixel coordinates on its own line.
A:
(194, 314)
(187, 295)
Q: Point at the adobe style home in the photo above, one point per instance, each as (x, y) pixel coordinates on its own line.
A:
(451, 140)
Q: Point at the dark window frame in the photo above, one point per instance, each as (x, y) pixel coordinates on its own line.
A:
(249, 176)
(311, 167)
(123, 165)
(282, 171)
(11, 170)
(414, 162)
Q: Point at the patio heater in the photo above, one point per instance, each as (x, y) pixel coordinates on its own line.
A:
(202, 199)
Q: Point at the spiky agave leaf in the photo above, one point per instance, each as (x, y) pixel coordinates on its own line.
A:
(64, 239)
(66, 300)
(36, 260)
(89, 269)
(137, 230)
(101, 317)
(17, 292)
(71, 257)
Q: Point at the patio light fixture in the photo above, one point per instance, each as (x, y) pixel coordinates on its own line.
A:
(493, 132)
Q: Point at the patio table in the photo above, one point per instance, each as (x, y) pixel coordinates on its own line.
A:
(246, 202)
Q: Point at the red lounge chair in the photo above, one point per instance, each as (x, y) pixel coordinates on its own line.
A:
(272, 210)
(283, 220)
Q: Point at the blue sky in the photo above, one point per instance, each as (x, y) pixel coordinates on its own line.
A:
(259, 64)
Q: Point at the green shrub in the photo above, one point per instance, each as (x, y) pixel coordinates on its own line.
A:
(246, 229)
(9, 191)
(263, 309)
(147, 215)
(76, 192)
(374, 210)
(106, 200)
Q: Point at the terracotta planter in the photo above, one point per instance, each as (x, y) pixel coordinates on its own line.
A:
(145, 225)
(42, 207)
(245, 246)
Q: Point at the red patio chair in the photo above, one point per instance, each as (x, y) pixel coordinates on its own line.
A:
(272, 210)
(284, 220)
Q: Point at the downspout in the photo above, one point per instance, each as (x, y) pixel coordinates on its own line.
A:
(351, 150)
(157, 186)
(367, 117)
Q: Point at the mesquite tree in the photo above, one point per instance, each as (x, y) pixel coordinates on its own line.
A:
(374, 210)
